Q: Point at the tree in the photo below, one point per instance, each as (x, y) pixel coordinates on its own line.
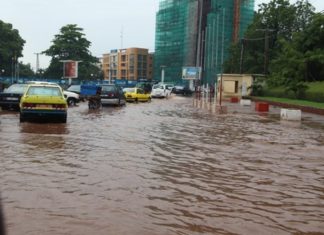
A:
(302, 58)
(11, 47)
(25, 70)
(275, 21)
(71, 44)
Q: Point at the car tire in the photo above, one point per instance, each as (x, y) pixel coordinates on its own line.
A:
(71, 101)
(63, 119)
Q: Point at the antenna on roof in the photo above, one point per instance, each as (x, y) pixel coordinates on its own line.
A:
(121, 37)
(37, 61)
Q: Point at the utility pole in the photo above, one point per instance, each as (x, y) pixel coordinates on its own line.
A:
(266, 48)
(37, 61)
(121, 37)
(199, 47)
(242, 54)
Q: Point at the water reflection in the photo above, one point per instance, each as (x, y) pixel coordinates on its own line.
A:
(163, 167)
(44, 128)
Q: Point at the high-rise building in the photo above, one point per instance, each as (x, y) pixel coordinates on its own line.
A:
(132, 64)
(198, 33)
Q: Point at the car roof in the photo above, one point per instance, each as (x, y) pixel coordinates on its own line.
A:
(43, 85)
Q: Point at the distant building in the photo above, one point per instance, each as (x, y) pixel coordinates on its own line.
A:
(189, 33)
(132, 64)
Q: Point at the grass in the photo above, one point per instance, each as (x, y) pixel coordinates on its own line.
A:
(293, 101)
(314, 93)
(315, 86)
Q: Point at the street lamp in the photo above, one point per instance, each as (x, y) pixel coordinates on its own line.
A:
(162, 73)
(2, 71)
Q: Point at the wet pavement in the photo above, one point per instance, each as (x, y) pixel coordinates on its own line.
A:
(160, 168)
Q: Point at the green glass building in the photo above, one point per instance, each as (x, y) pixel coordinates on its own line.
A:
(197, 33)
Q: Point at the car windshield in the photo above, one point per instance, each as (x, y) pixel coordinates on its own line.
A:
(158, 87)
(108, 88)
(74, 88)
(130, 90)
(16, 88)
(44, 91)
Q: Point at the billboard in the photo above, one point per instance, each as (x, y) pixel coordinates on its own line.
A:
(191, 73)
(70, 69)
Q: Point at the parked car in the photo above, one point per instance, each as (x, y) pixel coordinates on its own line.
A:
(112, 94)
(136, 94)
(72, 98)
(170, 86)
(43, 101)
(182, 90)
(76, 89)
(161, 91)
(10, 97)
(146, 86)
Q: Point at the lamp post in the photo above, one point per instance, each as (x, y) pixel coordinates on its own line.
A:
(162, 73)
(222, 60)
(110, 72)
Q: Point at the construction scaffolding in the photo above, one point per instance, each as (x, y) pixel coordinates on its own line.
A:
(198, 33)
(176, 29)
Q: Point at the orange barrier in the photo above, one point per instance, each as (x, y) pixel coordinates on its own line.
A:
(234, 99)
(262, 107)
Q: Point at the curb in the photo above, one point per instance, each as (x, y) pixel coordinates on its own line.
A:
(285, 105)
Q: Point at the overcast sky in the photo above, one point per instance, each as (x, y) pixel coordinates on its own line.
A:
(103, 21)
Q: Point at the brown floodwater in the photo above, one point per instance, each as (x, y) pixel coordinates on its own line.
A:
(161, 168)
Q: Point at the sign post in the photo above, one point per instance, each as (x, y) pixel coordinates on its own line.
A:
(70, 69)
(192, 74)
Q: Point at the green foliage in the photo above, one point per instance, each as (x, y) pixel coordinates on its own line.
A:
(25, 70)
(11, 46)
(71, 44)
(297, 87)
(257, 87)
(273, 43)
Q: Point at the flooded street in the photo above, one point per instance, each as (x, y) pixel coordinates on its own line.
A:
(162, 168)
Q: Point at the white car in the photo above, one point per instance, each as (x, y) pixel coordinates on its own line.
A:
(71, 97)
(161, 91)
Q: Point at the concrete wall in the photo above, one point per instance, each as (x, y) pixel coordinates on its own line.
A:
(235, 85)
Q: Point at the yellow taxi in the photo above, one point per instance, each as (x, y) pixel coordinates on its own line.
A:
(136, 94)
(45, 101)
